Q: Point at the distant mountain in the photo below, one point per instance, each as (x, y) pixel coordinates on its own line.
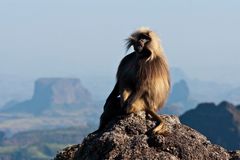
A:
(53, 93)
(179, 99)
(180, 92)
(238, 107)
(207, 91)
(220, 123)
(177, 75)
(2, 135)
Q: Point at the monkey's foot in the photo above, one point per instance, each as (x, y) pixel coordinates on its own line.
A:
(162, 129)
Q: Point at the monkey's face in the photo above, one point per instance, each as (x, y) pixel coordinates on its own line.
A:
(140, 43)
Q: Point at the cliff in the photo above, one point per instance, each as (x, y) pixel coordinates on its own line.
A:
(131, 137)
(60, 91)
(220, 123)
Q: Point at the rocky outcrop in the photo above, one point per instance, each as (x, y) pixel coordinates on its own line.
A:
(60, 91)
(131, 137)
(220, 123)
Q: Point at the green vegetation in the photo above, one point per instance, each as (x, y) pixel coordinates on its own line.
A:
(7, 149)
(40, 145)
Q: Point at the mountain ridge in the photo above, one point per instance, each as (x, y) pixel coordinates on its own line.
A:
(220, 123)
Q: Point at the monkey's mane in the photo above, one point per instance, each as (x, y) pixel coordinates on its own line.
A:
(154, 46)
(154, 69)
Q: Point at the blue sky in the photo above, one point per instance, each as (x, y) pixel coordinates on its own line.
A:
(81, 38)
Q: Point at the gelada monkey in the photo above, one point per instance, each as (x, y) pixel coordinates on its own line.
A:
(143, 80)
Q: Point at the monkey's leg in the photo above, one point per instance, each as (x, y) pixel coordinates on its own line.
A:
(136, 106)
(127, 101)
(125, 95)
(162, 128)
(132, 102)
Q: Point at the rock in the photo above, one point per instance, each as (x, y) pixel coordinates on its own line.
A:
(131, 137)
(67, 153)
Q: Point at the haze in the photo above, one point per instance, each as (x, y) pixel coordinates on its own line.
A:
(84, 38)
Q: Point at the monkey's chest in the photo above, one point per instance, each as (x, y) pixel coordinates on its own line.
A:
(134, 76)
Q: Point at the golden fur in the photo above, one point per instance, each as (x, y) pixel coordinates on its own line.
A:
(143, 80)
(153, 72)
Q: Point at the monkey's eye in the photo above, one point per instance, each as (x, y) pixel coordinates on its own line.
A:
(144, 38)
